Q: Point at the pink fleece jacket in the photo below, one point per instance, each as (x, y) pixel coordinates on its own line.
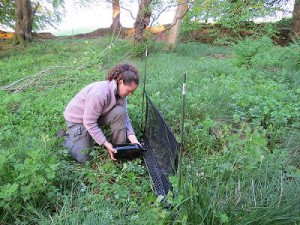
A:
(90, 103)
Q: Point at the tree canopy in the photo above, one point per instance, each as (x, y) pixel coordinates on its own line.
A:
(45, 13)
(232, 13)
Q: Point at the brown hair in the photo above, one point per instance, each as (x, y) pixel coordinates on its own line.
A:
(125, 72)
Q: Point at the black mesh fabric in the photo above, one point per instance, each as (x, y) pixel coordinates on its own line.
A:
(161, 155)
(160, 182)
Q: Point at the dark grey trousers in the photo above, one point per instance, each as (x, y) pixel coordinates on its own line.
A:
(79, 141)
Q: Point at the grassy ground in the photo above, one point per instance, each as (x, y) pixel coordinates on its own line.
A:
(241, 155)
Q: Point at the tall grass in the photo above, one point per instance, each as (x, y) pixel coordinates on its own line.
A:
(235, 173)
(224, 190)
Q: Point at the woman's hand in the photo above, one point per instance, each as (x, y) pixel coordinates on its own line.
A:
(110, 149)
(132, 138)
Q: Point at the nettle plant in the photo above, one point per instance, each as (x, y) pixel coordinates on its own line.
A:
(266, 102)
(27, 177)
(125, 183)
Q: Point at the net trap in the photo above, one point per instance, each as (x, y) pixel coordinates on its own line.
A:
(160, 150)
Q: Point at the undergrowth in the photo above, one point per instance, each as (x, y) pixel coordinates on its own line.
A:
(241, 152)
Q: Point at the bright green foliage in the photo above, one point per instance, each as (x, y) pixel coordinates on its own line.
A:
(233, 19)
(264, 97)
(27, 180)
(263, 53)
(35, 170)
(46, 13)
(7, 12)
(248, 48)
(237, 187)
(233, 13)
(239, 172)
(241, 161)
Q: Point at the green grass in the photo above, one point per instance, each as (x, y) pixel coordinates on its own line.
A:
(241, 153)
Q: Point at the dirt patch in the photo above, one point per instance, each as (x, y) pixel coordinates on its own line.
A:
(158, 32)
(96, 33)
(6, 35)
(44, 35)
(9, 35)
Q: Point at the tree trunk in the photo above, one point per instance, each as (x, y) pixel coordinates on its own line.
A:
(116, 23)
(296, 21)
(23, 17)
(181, 10)
(142, 20)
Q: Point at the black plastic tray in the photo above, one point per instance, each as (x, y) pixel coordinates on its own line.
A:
(128, 151)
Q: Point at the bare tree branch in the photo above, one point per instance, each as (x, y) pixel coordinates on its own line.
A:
(173, 24)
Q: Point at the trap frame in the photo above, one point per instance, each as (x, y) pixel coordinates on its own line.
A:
(160, 150)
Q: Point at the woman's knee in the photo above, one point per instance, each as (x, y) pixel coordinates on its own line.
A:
(118, 120)
(79, 142)
(119, 111)
(81, 156)
(117, 116)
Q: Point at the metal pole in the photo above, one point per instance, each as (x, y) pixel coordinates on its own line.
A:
(144, 89)
(182, 129)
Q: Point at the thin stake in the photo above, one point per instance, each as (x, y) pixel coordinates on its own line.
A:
(253, 192)
(182, 128)
(144, 88)
(281, 191)
(238, 191)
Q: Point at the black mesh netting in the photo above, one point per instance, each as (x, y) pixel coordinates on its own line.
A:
(161, 155)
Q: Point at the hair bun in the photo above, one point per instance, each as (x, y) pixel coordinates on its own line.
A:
(125, 67)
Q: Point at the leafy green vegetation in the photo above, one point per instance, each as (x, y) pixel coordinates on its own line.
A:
(44, 13)
(241, 153)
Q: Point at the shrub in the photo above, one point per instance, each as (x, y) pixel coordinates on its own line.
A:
(27, 178)
(248, 48)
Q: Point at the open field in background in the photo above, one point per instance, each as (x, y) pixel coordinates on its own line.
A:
(242, 137)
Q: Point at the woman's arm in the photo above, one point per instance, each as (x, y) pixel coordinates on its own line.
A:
(110, 149)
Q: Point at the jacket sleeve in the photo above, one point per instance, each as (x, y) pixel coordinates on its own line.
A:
(93, 107)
